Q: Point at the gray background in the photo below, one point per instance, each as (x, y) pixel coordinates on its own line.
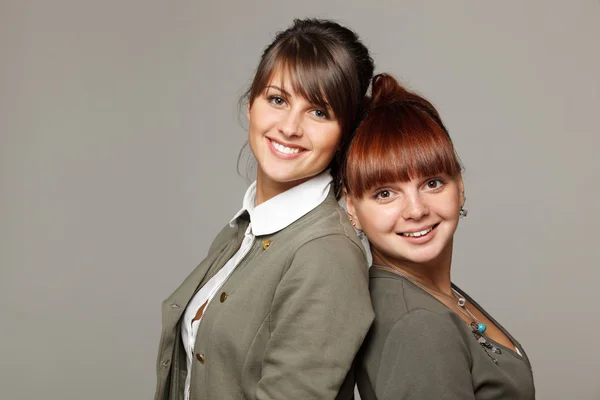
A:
(119, 135)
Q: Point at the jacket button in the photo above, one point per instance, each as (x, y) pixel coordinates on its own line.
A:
(200, 357)
(223, 297)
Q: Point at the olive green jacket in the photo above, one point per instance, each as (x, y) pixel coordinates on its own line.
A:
(286, 324)
(419, 349)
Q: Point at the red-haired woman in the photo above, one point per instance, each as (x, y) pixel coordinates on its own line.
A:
(404, 190)
(280, 305)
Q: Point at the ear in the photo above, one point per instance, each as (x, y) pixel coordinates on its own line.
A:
(248, 110)
(461, 190)
(351, 210)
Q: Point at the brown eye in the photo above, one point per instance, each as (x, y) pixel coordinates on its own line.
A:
(434, 184)
(383, 195)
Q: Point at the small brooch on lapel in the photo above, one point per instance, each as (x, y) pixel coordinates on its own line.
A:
(266, 244)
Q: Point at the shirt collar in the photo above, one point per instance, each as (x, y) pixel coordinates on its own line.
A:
(282, 210)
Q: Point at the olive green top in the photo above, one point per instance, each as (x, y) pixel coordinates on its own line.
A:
(286, 324)
(419, 349)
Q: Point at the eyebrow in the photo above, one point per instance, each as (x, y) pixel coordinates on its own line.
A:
(285, 93)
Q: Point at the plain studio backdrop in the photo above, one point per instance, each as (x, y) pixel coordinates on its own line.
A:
(120, 131)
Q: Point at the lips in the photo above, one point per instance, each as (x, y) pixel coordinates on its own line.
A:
(419, 233)
(286, 149)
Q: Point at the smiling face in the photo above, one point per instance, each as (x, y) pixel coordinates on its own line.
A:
(410, 222)
(292, 139)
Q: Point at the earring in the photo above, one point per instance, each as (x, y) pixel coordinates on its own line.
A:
(463, 211)
(361, 234)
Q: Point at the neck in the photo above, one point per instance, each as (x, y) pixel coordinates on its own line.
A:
(434, 274)
(267, 188)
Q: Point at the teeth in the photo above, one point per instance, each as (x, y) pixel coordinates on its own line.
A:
(418, 234)
(284, 149)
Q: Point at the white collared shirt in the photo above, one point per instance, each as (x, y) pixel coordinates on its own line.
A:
(267, 218)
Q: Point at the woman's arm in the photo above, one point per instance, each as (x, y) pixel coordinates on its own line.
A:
(320, 315)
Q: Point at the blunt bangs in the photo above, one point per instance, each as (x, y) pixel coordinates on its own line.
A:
(397, 143)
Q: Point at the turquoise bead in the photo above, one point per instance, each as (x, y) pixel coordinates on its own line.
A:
(481, 327)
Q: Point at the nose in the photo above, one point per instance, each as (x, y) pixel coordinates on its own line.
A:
(414, 207)
(291, 124)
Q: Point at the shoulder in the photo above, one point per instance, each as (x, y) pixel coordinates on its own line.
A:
(394, 297)
(420, 347)
(326, 222)
(415, 343)
(429, 327)
(404, 313)
(325, 239)
(323, 243)
(331, 255)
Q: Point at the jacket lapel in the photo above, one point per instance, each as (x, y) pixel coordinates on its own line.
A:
(174, 306)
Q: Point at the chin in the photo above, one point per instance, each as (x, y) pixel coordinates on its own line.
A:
(428, 257)
(422, 256)
(286, 173)
(423, 259)
(281, 176)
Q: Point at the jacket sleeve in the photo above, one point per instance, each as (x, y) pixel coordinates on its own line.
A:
(320, 314)
(424, 357)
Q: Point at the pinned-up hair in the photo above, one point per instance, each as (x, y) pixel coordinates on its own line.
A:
(400, 138)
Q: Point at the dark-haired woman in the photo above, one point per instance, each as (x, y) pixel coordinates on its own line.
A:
(404, 190)
(280, 306)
